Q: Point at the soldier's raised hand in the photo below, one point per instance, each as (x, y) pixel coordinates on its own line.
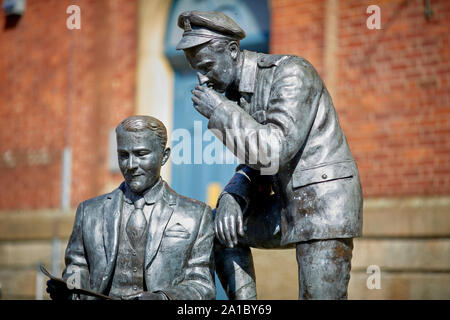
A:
(206, 100)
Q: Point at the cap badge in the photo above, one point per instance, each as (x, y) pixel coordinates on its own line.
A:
(187, 25)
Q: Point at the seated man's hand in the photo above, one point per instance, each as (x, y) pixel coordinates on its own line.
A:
(146, 296)
(58, 290)
(229, 221)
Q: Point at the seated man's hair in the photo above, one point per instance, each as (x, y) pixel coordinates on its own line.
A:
(141, 123)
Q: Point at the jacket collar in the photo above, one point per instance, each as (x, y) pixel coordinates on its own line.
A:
(248, 72)
(253, 61)
(162, 212)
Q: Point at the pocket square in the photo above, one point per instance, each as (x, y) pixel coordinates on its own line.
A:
(177, 230)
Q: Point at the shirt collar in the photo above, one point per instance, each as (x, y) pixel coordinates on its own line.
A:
(151, 195)
(248, 72)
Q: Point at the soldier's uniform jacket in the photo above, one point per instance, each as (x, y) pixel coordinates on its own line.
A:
(178, 256)
(290, 109)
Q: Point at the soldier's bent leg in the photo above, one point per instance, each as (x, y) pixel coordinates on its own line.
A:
(262, 224)
(324, 268)
(234, 267)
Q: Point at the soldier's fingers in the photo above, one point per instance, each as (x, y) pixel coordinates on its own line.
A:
(233, 234)
(195, 100)
(199, 102)
(225, 229)
(240, 225)
(198, 105)
(216, 230)
(227, 232)
(197, 93)
(221, 235)
(234, 230)
(201, 109)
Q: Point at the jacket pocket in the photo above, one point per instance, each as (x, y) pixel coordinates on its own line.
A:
(323, 172)
(174, 243)
(177, 234)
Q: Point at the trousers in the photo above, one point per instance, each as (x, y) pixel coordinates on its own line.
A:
(323, 264)
(323, 270)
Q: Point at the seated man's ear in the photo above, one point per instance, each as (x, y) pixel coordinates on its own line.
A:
(165, 156)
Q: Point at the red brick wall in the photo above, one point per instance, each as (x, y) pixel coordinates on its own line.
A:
(297, 27)
(63, 87)
(60, 88)
(393, 87)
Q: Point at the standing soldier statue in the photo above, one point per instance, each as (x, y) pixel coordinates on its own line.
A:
(278, 112)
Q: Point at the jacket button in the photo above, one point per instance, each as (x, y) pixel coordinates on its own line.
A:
(324, 176)
(135, 269)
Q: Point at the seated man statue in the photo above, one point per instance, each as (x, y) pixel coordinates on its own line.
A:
(143, 240)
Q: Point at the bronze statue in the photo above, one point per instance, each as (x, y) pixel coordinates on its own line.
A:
(143, 240)
(279, 113)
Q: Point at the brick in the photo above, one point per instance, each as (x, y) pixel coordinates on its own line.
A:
(413, 48)
(407, 255)
(279, 285)
(408, 217)
(66, 98)
(398, 280)
(22, 254)
(35, 225)
(417, 286)
(18, 284)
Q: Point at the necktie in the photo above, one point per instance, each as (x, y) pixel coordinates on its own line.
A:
(136, 223)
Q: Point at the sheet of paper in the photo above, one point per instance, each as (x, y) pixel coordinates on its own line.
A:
(75, 290)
